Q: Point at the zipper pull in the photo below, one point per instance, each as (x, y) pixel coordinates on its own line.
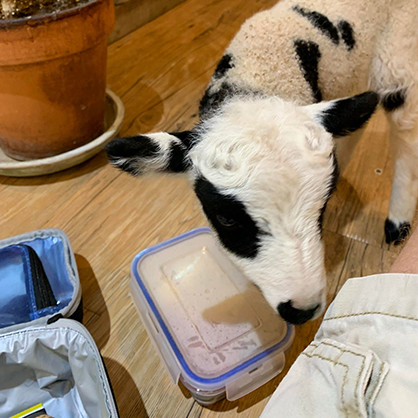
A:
(54, 319)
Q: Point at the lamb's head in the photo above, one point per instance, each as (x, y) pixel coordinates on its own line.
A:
(263, 170)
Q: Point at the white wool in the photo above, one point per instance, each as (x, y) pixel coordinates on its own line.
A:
(264, 50)
(273, 157)
(268, 148)
(257, 148)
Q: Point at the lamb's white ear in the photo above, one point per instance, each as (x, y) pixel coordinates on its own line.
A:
(161, 151)
(344, 116)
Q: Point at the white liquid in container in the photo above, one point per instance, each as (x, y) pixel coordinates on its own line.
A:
(214, 328)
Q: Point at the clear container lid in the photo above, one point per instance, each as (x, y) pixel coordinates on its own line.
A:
(209, 323)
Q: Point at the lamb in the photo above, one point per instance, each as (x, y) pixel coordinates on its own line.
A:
(285, 104)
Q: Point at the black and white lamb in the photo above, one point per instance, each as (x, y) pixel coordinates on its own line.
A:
(276, 118)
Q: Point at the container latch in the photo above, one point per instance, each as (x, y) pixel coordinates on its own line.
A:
(255, 377)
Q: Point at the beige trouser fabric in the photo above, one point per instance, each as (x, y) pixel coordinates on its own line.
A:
(363, 361)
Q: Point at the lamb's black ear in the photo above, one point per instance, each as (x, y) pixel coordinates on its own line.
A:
(344, 116)
(156, 152)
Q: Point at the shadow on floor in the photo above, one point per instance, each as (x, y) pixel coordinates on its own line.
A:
(99, 324)
(87, 167)
(127, 396)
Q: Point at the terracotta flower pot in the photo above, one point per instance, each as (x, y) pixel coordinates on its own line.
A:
(53, 80)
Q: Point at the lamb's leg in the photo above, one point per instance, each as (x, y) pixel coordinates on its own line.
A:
(404, 140)
(394, 75)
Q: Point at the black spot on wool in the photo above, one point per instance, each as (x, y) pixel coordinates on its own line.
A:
(392, 101)
(320, 22)
(347, 34)
(186, 137)
(123, 152)
(177, 161)
(243, 237)
(213, 99)
(223, 66)
(309, 55)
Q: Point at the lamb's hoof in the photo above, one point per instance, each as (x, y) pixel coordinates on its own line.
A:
(396, 234)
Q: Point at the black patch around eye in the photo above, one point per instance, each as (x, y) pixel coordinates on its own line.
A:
(224, 65)
(244, 239)
(320, 22)
(332, 186)
(309, 55)
(347, 34)
(392, 101)
(227, 222)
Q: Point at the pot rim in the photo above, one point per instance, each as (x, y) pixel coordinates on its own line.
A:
(45, 18)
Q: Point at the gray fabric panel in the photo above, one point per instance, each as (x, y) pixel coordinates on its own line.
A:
(55, 366)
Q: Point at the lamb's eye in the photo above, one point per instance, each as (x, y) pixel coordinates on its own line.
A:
(226, 222)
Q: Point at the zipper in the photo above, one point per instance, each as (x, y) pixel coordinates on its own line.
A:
(44, 296)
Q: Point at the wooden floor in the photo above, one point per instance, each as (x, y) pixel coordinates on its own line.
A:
(160, 72)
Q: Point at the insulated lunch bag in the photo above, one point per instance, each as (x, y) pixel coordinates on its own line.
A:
(49, 363)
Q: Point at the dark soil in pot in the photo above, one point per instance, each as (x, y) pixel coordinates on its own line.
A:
(17, 9)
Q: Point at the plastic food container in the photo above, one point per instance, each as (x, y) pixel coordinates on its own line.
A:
(212, 328)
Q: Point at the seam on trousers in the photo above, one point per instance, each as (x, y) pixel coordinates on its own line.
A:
(363, 362)
(344, 378)
(373, 395)
(345, 350)
(372, 313)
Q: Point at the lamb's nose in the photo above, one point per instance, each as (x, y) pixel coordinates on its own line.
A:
(293, 315)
